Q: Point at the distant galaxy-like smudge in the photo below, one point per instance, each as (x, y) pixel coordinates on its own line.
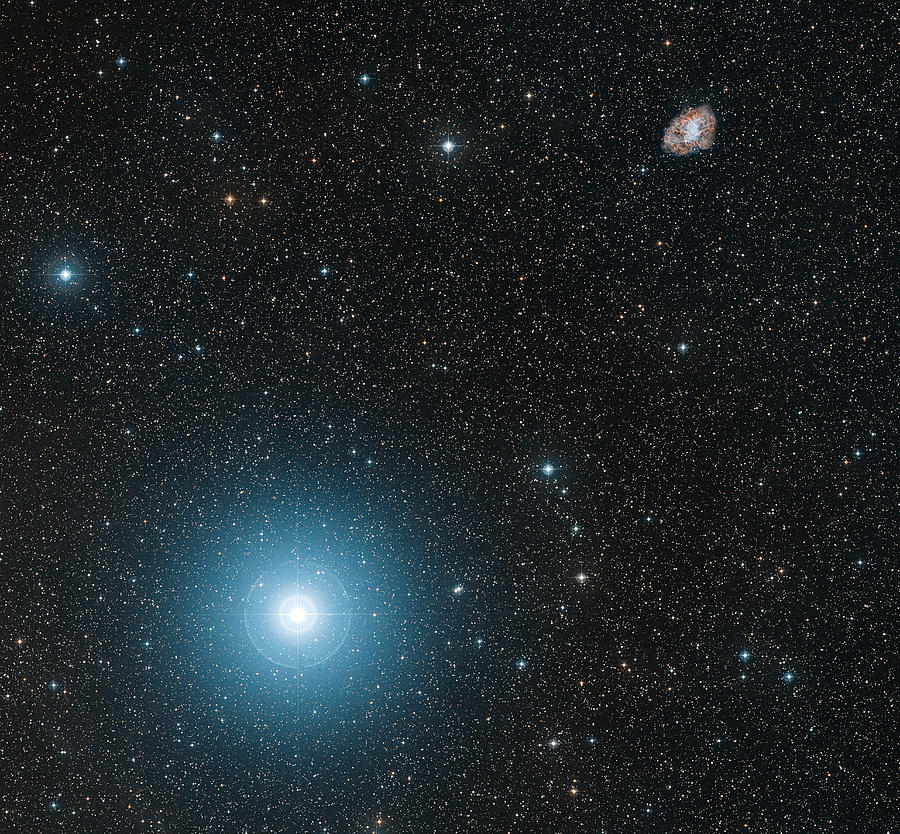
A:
(690, 131)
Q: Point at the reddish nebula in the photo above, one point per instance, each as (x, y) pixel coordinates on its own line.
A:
(690, 131)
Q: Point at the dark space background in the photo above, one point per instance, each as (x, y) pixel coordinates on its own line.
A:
(600, 440)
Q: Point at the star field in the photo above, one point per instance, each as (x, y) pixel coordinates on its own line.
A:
(585, 451)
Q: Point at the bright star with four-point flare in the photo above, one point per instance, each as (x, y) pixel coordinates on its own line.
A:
(66, 274)
(448, 145)
(297, 614)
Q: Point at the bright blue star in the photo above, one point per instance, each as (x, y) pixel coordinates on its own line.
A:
(521, 664)
(364, 79)
(216, 137)
(745, 655)
(121, 62)
(448, 145)
(548, 469)
(297, 614)
(682, 348)
(788, 677)
(65, 275)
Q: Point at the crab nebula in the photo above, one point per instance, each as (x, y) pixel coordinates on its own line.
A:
(690, 131)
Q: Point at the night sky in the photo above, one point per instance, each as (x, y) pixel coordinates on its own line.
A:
(589, 441)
